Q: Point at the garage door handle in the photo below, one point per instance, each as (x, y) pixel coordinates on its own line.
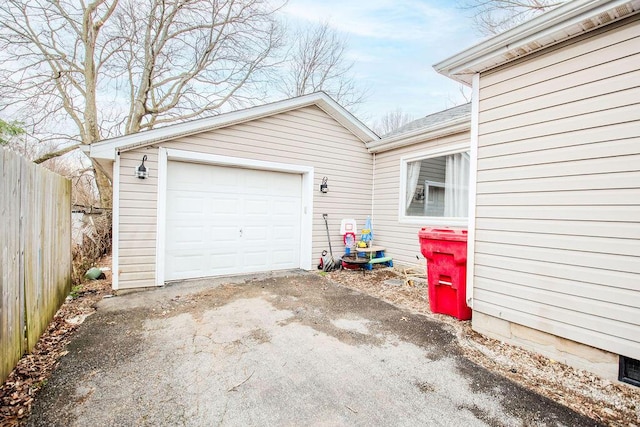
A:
(241, 232)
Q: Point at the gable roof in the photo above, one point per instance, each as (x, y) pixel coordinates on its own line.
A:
(107, 149)
(562, 23)
(442, 123)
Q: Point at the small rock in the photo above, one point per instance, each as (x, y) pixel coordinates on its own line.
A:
(393, 282)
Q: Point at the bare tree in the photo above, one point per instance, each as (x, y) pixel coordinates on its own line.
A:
(391, 121)
(110, 67)
(317, 62)
(495, 16)
(77, 169)
(463, 97)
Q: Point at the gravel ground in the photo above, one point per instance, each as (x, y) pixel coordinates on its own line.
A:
(615, 404)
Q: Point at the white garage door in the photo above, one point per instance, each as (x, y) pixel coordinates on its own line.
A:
(224, 220)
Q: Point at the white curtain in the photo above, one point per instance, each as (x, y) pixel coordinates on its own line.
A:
(456, 189)
(413, 174)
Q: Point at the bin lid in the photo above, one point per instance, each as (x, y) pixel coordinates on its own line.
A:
(443, 233)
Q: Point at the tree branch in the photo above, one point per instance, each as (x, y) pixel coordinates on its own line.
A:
(55, 154)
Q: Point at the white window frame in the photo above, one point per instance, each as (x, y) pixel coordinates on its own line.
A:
(428, 220)
(428, 185)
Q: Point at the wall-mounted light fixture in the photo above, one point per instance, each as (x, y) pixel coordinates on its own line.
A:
(324, 188)
(142, 171)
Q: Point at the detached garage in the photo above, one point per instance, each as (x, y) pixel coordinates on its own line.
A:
(235, 193)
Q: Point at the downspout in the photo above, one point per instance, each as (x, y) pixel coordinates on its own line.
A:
(115, 224)
(473, 181)
(373, 186)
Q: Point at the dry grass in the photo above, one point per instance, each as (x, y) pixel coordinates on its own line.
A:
(96, 244)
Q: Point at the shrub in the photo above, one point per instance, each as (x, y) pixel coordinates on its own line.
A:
(96, 243)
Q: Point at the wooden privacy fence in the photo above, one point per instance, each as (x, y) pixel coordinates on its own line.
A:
(35, 253)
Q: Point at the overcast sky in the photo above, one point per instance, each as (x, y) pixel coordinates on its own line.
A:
(394, 44)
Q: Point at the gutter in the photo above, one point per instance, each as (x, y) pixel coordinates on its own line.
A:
(439, 130)
(551, 25)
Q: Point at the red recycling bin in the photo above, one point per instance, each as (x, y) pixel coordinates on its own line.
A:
(446, 252)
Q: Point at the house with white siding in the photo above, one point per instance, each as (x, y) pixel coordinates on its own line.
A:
(421, 176)
(554, 233)
(543, 168)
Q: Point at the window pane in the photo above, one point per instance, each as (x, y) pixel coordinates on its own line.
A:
(438, 187)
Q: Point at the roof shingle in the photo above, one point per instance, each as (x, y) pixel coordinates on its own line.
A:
(433, 119)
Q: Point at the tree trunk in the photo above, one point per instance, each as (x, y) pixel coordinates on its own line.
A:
(104, 186)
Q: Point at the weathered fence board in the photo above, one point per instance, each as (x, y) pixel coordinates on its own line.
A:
(35, 239)
(11, 338)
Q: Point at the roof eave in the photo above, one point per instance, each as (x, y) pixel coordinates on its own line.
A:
(457, 125)
(518, 41)
(107, 149)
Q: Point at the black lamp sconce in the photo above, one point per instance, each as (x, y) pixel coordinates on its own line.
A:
(324, 188)
(142, 172)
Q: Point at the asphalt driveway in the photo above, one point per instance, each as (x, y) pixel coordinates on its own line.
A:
(290, 349)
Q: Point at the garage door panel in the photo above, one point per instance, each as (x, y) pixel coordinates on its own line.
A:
(285, 233)
(255, 260)
(186, 235)
(184, 179)
(282, 185)
(228, 206)
(255, 182)
(228, 235)
(222, 178)
(224, 261)
(223, 220)
(282, 257)
(256, 234)
(185, 265)
(285, 208)
(189, 205)
(257, 206)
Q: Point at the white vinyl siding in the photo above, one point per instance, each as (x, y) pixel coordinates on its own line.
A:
(137, 221)
(305, 137)
(401, 239)
(558, 191)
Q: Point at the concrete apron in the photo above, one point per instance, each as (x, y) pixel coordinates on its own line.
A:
(289, 349)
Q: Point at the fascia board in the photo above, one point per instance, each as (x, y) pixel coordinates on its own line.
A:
(346, 119)
(107, 149)
(451, 127)
(553, 22)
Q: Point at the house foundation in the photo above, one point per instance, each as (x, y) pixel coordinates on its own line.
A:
(580, 356)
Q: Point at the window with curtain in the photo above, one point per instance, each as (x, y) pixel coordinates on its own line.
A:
(438, 187)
